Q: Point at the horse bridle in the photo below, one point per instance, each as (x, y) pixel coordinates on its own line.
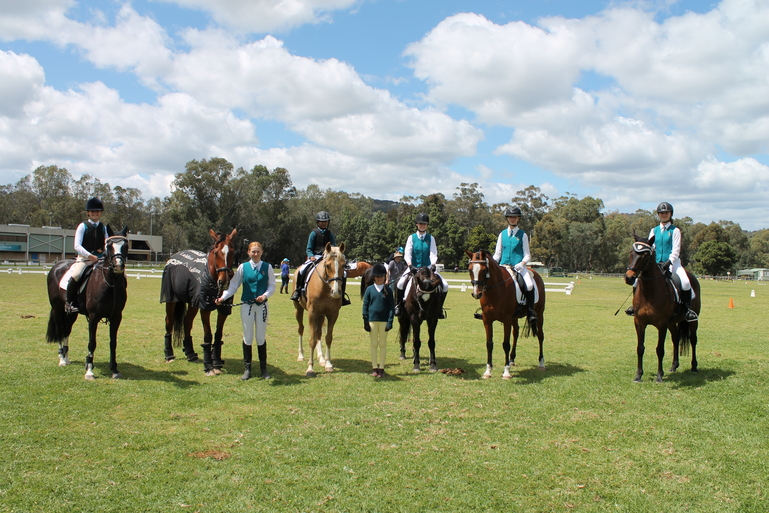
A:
(488, 275)
(640, 248)
(335, 278)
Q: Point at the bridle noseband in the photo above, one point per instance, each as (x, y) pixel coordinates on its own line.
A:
(488, 274)
(640, 249)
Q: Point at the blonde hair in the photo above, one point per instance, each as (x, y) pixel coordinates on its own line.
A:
(251, 245)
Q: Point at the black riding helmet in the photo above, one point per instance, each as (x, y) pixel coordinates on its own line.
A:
(378, 270)
(94, 204)
(322, 216)
(513, 211)
(665, 207)
(422, 218)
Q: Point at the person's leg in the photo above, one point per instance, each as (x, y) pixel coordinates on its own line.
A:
(247, 321)
(373, 350)
(261, 338)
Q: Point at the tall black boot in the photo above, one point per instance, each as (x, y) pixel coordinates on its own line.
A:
(168, 348)
(345, 300)
(262, 350)
(299, 285)
(71, 306)
(247, 354)
(532, 315)
(691, 315)
(189, 352)
(398, 301)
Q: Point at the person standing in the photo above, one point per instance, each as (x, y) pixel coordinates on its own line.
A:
(396, 267)
(378, 310)
(284, 272)
(512, 251)
(258, 280)
(90, 237)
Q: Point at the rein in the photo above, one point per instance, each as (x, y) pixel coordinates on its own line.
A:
(323, 279)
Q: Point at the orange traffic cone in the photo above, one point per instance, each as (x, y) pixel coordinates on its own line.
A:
(731, 303)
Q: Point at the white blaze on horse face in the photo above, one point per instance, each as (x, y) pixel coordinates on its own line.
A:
(335, 290)
(117, 247)
(476, 274)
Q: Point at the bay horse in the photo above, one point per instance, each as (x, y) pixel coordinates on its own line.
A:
(357, 269)
(420, 303)
(102, 297)
(495, 288)
(192, 281)
(322, 299)
(654, 303)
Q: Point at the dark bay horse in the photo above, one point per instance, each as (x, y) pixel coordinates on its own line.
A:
(192, 280)
(654, 304)
(103, 297)
(420, 303)
(322, 300)
(495, 287)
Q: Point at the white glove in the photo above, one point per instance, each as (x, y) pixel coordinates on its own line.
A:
(520, 267)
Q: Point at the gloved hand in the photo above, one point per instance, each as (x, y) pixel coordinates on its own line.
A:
(366, 325)
(432, 268)
(666, 266)
(520, 267)
(413, 269)
(388, 327)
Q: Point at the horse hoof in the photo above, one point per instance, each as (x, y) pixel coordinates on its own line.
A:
(486, 376)
(63, 363)
(217, 372)
(310, 374)
(542, 367)
(505, 376)
(636, 380)
(300, 358)
(416, 370)
(402, 357)
(329, 369)
(117, 375)
(433, 368)
(90, 377)
(210, 373)
(169, 360)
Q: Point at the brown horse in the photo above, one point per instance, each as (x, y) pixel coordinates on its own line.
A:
(654, 304)
(495, 287)
(322, 299)
(103, 297)
(420, 304)
(192, 280)
(358, 270)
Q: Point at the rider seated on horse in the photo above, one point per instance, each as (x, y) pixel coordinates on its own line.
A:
(420, 251)
(316, 244)
(90, 237)
(667, 246)
(513, 252)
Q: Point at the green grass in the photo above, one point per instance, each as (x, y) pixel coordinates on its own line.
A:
(579, 436)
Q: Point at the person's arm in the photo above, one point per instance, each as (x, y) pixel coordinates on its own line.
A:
(310, 245)
(235, 282)
(270, 282)
(526, 252)
(407, 253)
(331, 238)
(675, 252)
(498, 249)
(433, 251)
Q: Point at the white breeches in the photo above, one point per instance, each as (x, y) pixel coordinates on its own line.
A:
(76, 270)
(407, 273)
(254, 320)
(681, 272)
(528, 279)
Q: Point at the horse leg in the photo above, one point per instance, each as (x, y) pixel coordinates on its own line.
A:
(541, 339)
(404, 327)
(660, 353)
(319, 349)
(221, 318)
(640, 334)
(208, 363)
(431, 325)
(514, 349)
(507, 327)
(675, 335)
(189, 349)
(64, 352)
(329, 338)
(93, 324)
(299, 313)
(489, 325)
(168, 347)
(415, 329)
(316, 330)
(114, 324)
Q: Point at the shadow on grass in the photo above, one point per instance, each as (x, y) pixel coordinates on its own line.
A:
(139, 373)
(689, 379)
(532, 374)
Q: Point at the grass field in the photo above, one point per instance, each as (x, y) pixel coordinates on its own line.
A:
(580, 436)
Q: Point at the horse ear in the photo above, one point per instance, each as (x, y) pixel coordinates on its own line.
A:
(123, 232)
(233, 233)
(469, 254)
(635, 235)
(213, 234)
(110, 231)
(341, 247)
(328, 247)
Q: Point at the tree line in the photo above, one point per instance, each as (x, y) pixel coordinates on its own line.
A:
(569, 232)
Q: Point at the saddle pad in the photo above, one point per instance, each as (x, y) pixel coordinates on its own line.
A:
(519, 296)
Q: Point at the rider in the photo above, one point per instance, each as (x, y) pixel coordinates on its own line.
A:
(667, 247)
(513, 251)
(90, 237)
(421, 251)
(316, 245)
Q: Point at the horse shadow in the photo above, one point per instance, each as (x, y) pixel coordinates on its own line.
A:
(689, 379)
(139, 373)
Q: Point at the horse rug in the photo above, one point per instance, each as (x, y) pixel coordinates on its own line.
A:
(186, 280)
(519, 295)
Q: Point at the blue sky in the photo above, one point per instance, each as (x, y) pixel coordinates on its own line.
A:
(632, 102)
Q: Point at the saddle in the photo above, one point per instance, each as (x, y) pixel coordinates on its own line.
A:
(520, 286)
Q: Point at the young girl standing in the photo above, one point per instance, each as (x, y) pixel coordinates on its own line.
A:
(378, 308)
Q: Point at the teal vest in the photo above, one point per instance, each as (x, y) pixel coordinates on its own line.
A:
(663, 242)
(420, 254)
(512, 248)
(255, 283)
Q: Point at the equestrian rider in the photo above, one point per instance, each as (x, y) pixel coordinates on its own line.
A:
(258, 280)
(667, 247)
(513, 252)
(421, 251)
(316, 245)
(90, 237)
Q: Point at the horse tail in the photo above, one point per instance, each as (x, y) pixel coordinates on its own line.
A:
(530, 328)
(55, 331)
(684, 342)
(177, 333)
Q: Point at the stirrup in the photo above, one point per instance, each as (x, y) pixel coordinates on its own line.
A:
(71, 308)
(691, 316)
(478, 314)
(296, 296)
(346, 300)
(630, 311)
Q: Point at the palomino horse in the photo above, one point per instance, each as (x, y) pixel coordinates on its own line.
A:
(420, 303)
(322, 299)
(495, 287)
(102, 297)
(654, 302)
(192, 280)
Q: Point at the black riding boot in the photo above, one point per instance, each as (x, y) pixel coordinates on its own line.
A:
(691, 315)
(299, 285)
(168, 348)
(398, 301)
(247, 354)
(262, 351)
(345, 300)
(532, 315)
(630, 311)
(71, 306)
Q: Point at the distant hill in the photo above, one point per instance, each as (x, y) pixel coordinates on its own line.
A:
(384, 205)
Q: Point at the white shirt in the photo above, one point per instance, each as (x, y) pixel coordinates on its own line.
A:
(237, 280)
(80, 232)
(675, 252)
(512, 231)
(409, 249)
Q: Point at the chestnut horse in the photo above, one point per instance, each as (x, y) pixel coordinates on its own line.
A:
(322, 299)
(654, 303)
(420, 303)
(495, 287)
(192, 280)
(103, 297)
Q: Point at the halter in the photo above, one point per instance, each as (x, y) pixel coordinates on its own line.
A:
(230, 272)
(113, 257)
(488, 275)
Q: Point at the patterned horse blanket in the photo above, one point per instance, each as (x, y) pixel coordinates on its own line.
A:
(186, 280)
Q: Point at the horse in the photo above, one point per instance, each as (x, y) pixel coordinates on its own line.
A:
(322, 299)
(357, 269)
(103, 296)
(420, 303)
(654, 303)
(192, 281)
(495, 287)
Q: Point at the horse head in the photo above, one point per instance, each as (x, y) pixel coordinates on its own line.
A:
(478, 265)
(117, 251)
(333, 268)
(425, 283)
(220, 258)
(641, 256)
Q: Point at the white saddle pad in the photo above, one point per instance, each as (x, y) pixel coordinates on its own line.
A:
(519, 295)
